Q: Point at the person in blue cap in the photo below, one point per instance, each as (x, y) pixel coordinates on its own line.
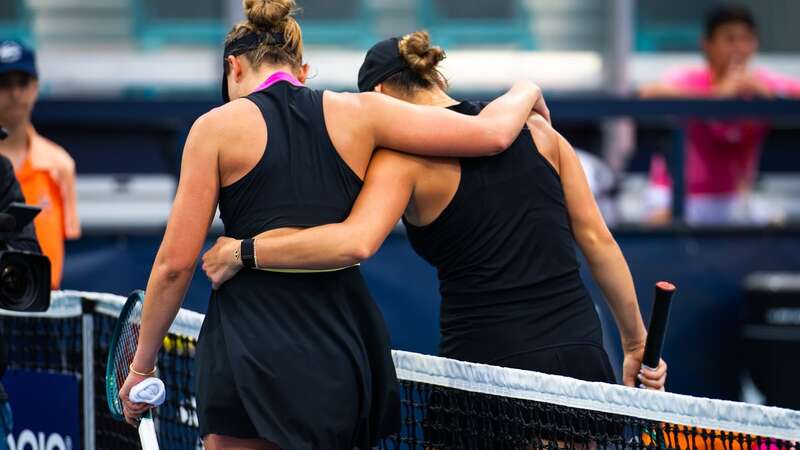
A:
(45, 171)
(18, 93)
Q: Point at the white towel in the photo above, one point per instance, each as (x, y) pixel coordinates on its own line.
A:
(151, 390)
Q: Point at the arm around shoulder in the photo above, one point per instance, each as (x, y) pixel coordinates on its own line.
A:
(379, 206)
(383, 198)
(435, 131)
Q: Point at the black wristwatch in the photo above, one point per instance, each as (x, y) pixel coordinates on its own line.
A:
(248, 253)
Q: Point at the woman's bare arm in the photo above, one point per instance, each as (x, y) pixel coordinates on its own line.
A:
(608, 267)
(434, 131)
(604, 256)
(387, 189)
(191, 215)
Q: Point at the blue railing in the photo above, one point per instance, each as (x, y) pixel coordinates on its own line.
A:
(168, 121)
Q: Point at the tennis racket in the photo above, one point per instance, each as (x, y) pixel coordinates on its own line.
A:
(657, 329)
(120, 355)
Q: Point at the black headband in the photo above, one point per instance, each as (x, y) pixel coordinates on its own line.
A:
(382, 61)
(251, 41)
(243, 44)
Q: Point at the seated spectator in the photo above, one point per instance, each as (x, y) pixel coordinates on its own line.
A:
(45, 171)
(721, 155)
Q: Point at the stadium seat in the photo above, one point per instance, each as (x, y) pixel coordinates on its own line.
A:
(340, 22)
(466, 22)
(14, 20)
(179, 21)
(667, 37)
(669, 26)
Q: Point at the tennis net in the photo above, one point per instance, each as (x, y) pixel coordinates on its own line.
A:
(446, 404)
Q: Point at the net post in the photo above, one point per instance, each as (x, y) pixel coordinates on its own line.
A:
(87, 350)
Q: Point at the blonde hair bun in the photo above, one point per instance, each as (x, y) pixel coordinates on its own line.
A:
(268, 14)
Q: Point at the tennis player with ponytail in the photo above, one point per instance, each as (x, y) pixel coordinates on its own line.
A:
(292, 360)
(500, 230)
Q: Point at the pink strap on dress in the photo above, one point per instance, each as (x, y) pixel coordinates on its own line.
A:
(277, 77)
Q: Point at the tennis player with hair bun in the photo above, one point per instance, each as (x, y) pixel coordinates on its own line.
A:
(292, 360)
(500, 230)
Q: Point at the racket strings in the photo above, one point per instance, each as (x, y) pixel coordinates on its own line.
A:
(126, 348)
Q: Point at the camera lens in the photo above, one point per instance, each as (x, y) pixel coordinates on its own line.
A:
(24, 281)
(14, 282)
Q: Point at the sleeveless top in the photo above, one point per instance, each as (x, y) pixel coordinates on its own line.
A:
(300, 181)
(271, 335)
(505, 256)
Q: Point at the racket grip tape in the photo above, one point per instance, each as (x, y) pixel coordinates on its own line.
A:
(657, 329)
(147, 434)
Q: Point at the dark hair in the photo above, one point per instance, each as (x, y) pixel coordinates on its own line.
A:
(422, 60)
(728, 13)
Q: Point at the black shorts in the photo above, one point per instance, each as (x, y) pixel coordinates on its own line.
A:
(584, 361)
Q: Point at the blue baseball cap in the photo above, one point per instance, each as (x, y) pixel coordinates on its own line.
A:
(16, 57)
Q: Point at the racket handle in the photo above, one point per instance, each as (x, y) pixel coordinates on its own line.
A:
(657, 329)
(147, 434)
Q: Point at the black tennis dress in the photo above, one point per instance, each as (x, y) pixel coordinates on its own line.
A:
(508, 273)
(299, 359)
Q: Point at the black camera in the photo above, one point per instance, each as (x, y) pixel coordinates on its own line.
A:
(24, 276)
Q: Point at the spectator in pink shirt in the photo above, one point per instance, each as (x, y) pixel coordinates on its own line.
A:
(721, 155)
